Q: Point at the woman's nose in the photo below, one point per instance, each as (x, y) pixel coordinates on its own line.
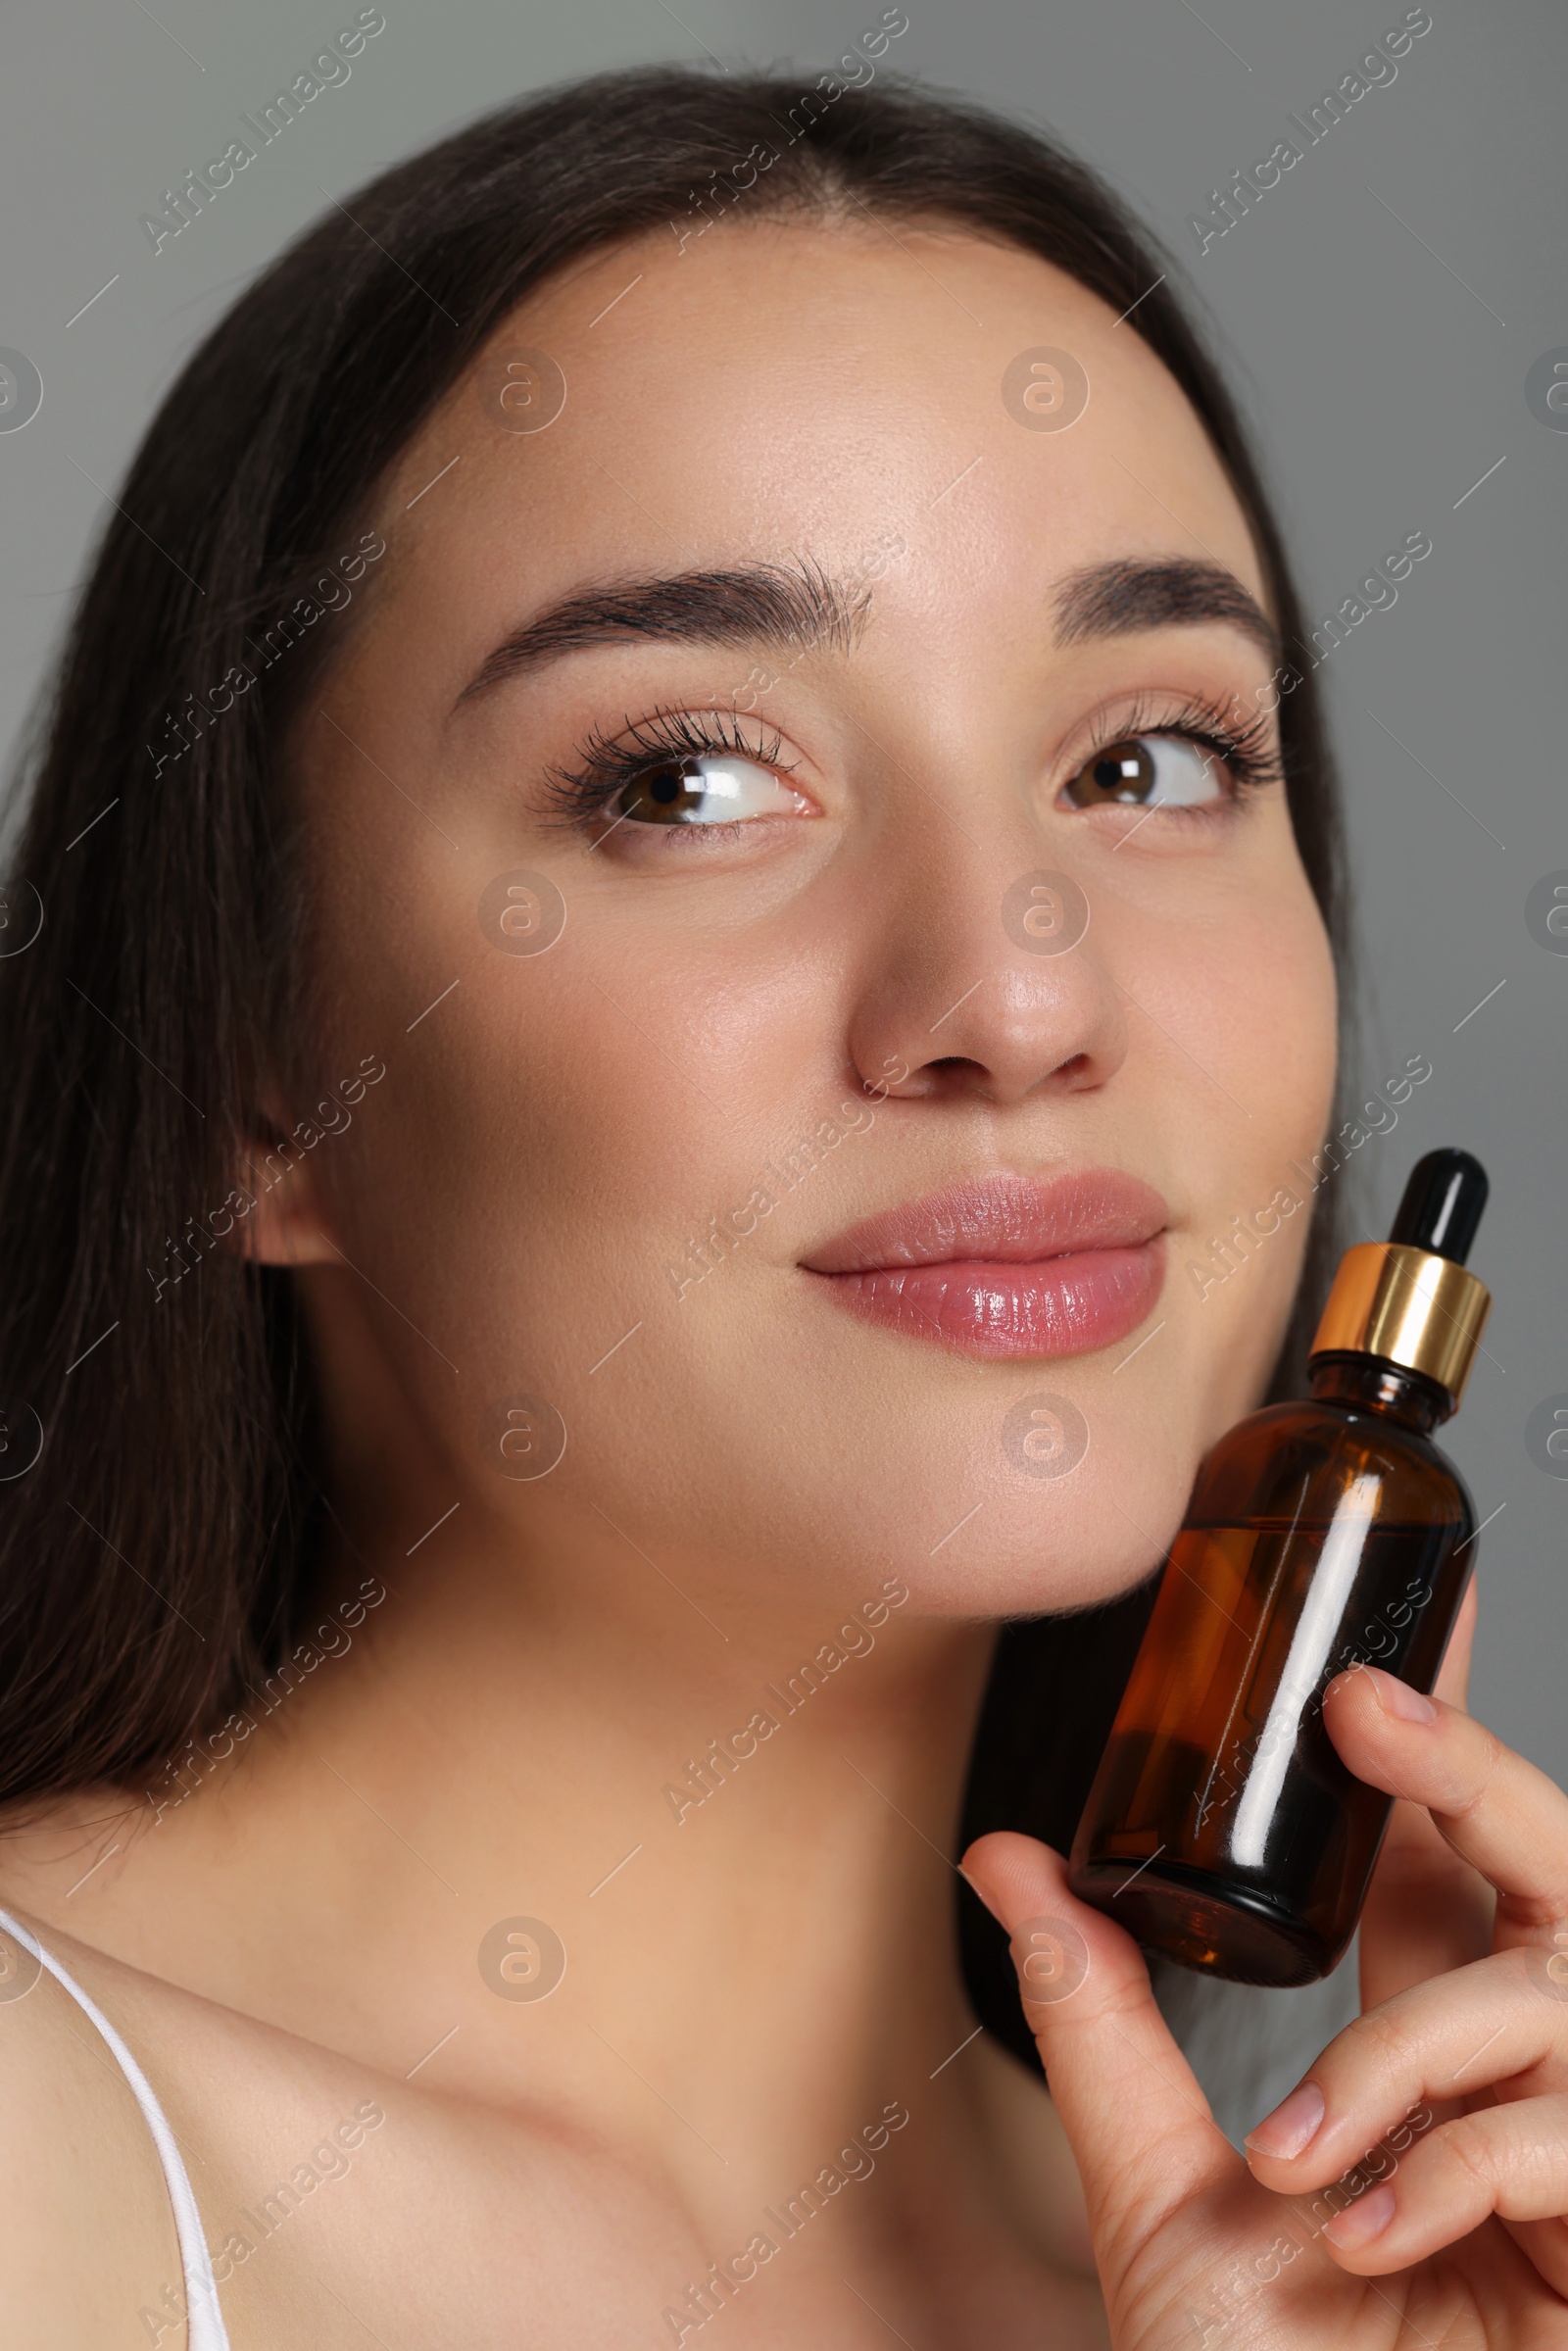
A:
(988, 987)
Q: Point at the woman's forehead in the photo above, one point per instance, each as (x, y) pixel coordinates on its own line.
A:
(801, 389)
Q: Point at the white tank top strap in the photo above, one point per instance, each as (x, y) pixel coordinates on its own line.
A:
(205, 2328)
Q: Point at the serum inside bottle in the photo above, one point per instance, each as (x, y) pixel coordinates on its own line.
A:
(1222, 1827)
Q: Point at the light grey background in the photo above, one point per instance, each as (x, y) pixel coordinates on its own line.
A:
(1377, 311)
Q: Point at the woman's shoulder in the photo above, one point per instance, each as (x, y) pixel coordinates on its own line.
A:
(306, 2165)
(276, 2138)
(89, 2238)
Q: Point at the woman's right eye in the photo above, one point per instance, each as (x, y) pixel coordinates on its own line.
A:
(704, 791)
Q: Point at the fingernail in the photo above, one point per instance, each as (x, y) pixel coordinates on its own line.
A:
(1398, 1697)
(1359, 2224)
(1288, 2128)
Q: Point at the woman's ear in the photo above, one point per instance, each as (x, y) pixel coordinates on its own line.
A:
(287, 1222)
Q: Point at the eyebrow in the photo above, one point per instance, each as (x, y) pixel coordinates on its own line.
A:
(794, 609)
(776, 606)
(1118, 598)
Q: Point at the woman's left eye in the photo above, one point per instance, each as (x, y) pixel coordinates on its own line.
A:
(1148, 771)
(704, 791)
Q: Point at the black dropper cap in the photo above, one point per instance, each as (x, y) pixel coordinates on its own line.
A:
(1441, 1206)
(1411, 1299)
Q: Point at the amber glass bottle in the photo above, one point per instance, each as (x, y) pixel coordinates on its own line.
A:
(1222, 1828)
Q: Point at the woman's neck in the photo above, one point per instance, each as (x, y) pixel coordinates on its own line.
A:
(737, 1822)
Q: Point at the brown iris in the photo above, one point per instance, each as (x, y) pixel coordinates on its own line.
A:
(1123, 772)
(667, 795)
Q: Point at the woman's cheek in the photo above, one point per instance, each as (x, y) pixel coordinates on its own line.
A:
(1266, 993)
(1302, 994)
(576, 1151)
(1236, 1268)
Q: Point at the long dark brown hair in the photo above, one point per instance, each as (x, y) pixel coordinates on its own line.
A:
(154, 1560)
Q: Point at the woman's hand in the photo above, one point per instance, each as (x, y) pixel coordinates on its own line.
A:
(1414, 2186)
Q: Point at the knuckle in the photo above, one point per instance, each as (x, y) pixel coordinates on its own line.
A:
(1535, 1912)
(1470, 1772)
(1521, 1975)
(1381, 2039)
(1467, 2145)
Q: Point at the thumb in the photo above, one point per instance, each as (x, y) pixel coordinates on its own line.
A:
(1140, 2127)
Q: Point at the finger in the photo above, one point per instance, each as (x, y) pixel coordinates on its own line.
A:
(1510, 2160)
(1140, 2127)
(1505, 2019)
(1453, 1675)
(1427, 1911)
(1496, 1811)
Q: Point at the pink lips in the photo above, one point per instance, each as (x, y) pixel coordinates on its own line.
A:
(1007, 1265)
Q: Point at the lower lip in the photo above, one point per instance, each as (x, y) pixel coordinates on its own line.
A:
(1071, 1306)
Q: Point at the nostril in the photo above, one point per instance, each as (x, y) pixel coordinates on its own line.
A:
(955, 1073)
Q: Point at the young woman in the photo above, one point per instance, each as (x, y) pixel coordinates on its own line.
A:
(681, 868)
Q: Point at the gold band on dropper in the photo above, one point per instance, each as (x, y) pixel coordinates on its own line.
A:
(1408, 1307)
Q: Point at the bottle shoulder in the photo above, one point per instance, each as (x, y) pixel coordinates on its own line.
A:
(1297, 1459)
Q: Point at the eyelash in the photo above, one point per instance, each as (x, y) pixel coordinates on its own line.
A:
(1250, 753)
(606, 767)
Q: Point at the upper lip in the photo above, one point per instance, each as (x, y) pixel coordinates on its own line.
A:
(1005, 1218)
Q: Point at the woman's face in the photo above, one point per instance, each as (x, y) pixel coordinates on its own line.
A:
(938, 897)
